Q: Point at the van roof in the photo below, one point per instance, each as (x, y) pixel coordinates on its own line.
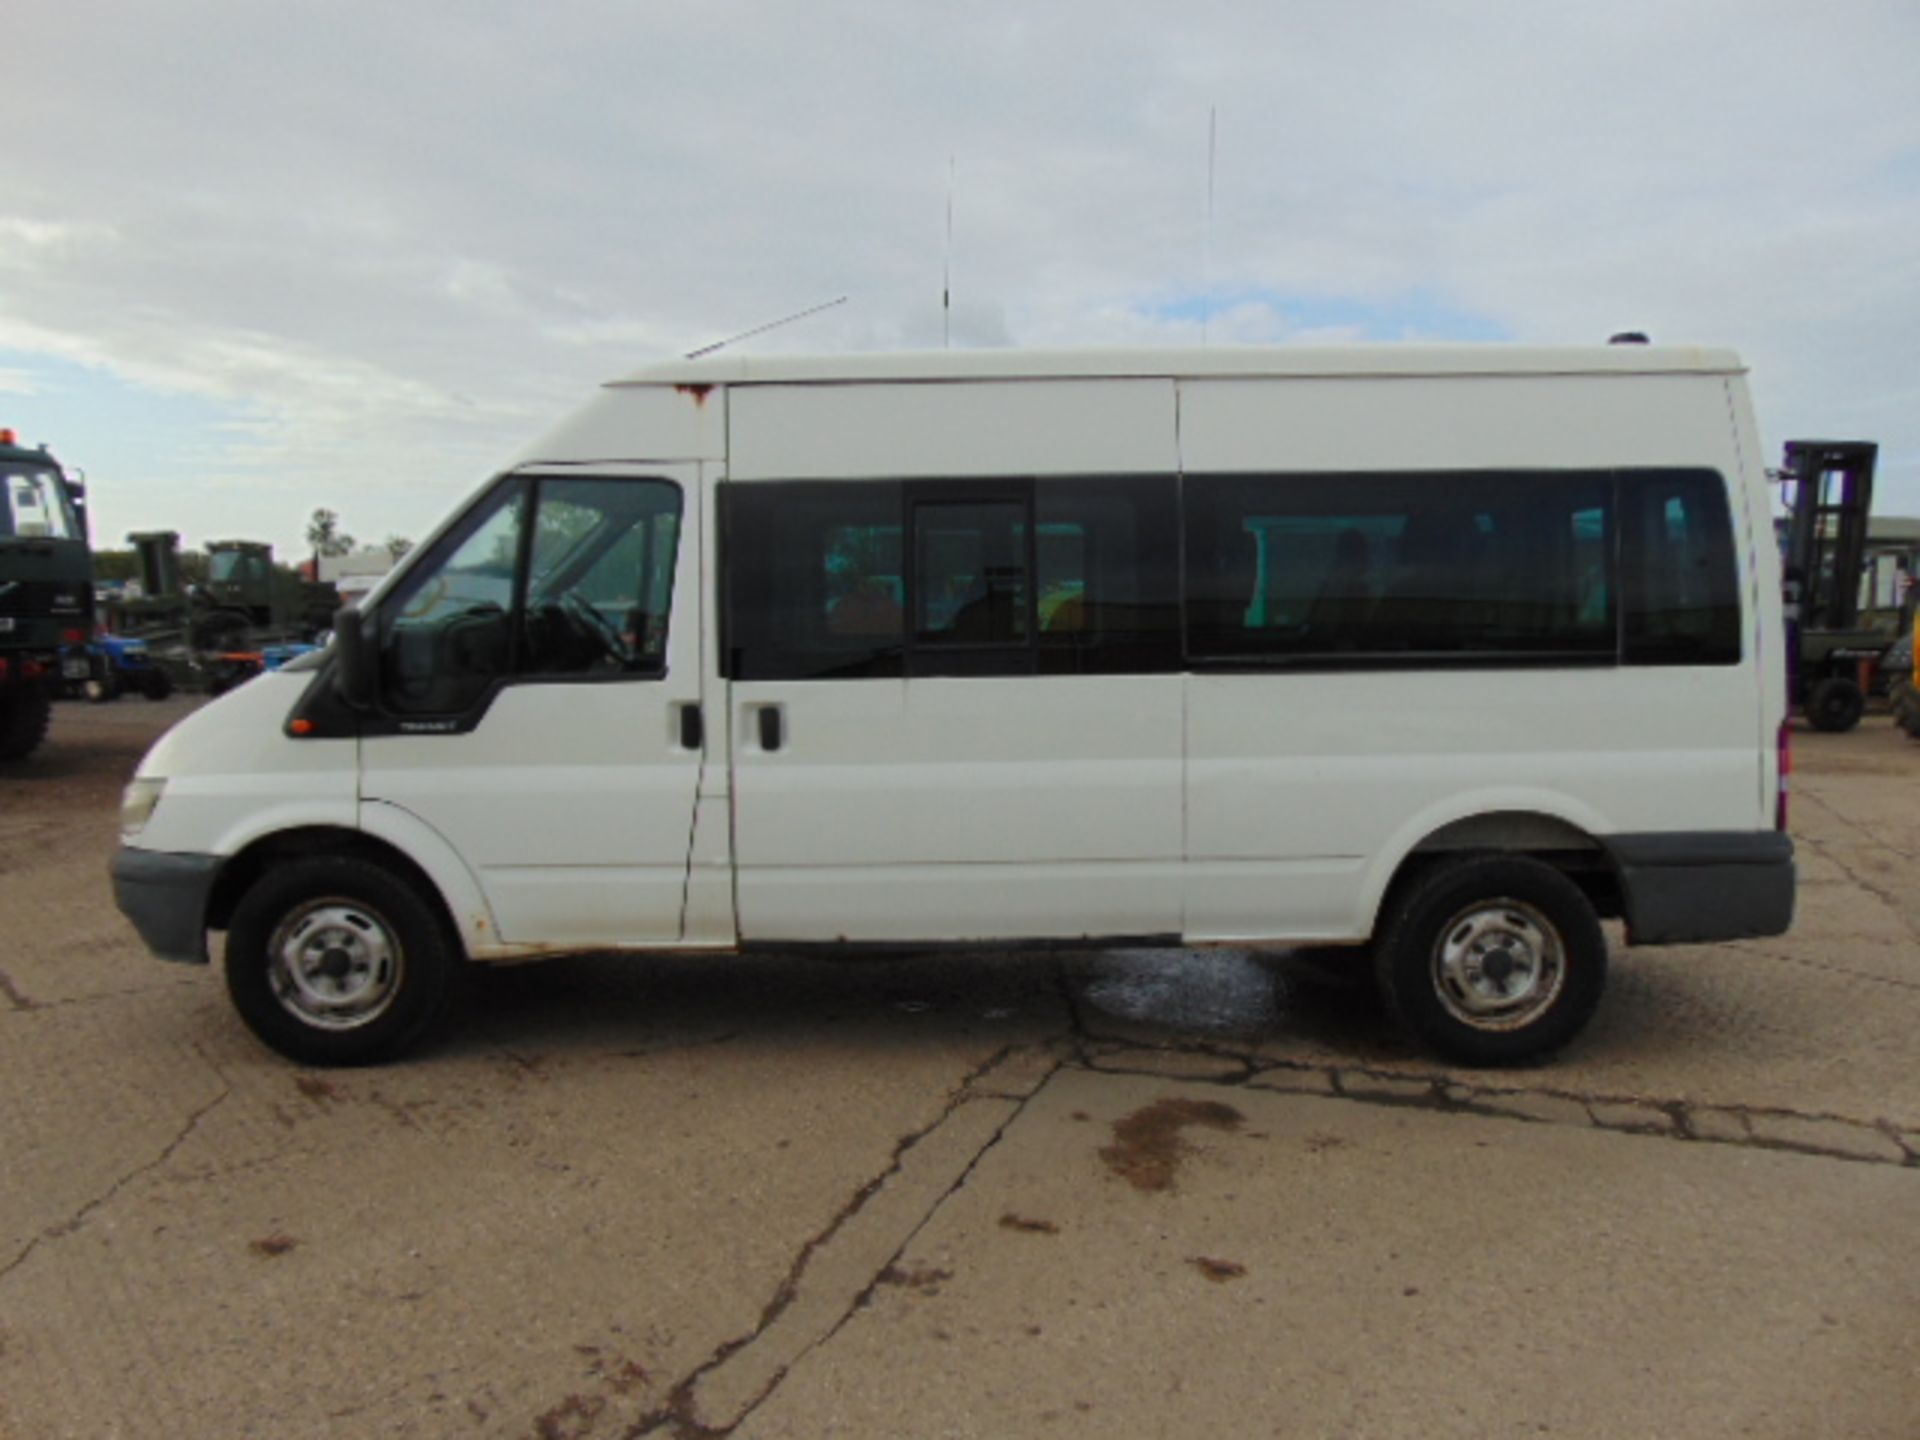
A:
(1215, 360)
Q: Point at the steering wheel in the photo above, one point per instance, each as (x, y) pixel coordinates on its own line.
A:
(587, 617)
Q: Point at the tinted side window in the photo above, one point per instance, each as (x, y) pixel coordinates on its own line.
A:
(599, 577)
(1681, 585)
(584, 591)
(815, 580)
(1108, 572)
(1313, 567)
(446, 633)
(842, 580)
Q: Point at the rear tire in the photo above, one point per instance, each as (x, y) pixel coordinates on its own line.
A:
(1491, 959)
(156, 685)
(334, 960)
(25, 711)
(1835, 704)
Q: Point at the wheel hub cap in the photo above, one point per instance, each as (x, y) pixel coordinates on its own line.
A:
(335, 964)
(1499, 965)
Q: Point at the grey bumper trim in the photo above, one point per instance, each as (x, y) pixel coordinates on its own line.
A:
(1704, 885)
(165, 896)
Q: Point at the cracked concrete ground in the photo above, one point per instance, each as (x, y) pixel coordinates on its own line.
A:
(1135, 1194)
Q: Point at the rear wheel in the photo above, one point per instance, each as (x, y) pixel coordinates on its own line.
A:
(156, 685)
(334, 960)
(1492, 959)
(24, 713)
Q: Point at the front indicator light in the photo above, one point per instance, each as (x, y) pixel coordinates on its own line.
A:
(137, 802)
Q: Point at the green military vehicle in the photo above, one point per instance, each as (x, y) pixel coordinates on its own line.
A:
(46, 591)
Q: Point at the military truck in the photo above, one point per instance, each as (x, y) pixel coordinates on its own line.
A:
(219, 629)
(46, 590)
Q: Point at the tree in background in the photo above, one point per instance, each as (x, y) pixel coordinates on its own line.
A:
(396, 546)
(326, 537)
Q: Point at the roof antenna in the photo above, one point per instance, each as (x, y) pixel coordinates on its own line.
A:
(946, 270)
(1206, 264)
(762, 329)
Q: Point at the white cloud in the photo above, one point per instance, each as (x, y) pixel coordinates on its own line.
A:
(388, 246)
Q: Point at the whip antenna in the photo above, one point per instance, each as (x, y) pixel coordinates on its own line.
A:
(762, 329)
(1206, 261)
(946, 270)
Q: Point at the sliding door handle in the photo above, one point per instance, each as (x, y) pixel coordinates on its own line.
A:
(772, 728)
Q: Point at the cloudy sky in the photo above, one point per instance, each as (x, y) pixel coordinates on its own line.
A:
(259, 257)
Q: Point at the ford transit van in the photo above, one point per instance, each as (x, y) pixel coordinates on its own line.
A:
(1441, 654)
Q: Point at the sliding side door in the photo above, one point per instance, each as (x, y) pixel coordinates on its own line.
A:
(951, 642)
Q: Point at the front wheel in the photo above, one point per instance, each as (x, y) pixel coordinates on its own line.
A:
(333, 960)
(1492, 959)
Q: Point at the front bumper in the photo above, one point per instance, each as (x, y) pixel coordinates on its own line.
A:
(1702, 886)
(165, 896)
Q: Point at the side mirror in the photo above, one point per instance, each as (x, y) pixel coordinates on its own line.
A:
(354, 659)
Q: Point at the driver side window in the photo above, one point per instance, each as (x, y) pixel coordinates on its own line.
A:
(564, 576)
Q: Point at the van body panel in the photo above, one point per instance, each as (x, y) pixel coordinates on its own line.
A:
(571, 799)
(1454, 423)
(965, 808)
(234, 776)
(649, 424)
(1760, 554)
(982, 428)
(473, 918)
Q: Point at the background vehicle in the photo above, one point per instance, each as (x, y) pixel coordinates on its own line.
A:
(123, 664)
(249, 615)
(1822, 560)
(46, 590)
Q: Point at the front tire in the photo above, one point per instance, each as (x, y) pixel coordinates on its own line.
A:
(333, 960)
(1491, 959)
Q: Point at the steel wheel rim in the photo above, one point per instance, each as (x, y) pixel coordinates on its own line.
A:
(335, 964)
(1499, 965)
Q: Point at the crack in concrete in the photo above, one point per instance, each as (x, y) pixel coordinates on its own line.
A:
(15, 999)
(1765, 1127)
(22, 1002)
(676, 1415)
(865, 1296)
(79, 1217)
(1872, 837)
(1884, 896)
(1829, 968)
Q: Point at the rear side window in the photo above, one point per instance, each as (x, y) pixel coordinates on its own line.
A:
(858, 579)
(1681, 586)
(1369, 567)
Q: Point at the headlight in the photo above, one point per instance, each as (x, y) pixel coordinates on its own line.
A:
(136, 805)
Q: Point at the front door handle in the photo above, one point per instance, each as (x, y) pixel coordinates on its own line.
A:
(692, 731)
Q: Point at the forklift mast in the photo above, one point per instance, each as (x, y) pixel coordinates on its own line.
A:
(1826, 540)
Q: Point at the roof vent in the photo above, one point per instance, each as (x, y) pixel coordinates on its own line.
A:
(1628, 337)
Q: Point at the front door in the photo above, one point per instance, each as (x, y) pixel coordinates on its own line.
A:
(540, 691)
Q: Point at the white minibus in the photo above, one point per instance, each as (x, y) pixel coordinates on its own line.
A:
(1440, 654)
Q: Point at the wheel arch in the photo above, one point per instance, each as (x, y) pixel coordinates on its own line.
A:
(238, 875)
(1563, 836)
